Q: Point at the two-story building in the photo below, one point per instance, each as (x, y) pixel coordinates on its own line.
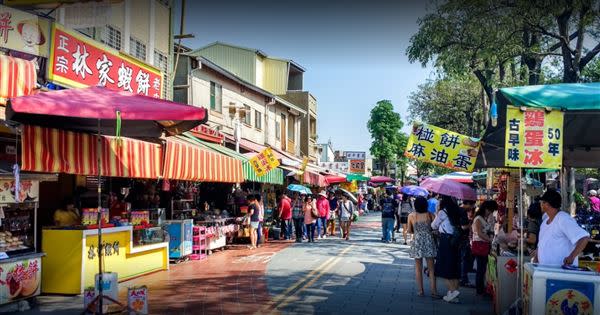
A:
(281, 77)
(265, 118)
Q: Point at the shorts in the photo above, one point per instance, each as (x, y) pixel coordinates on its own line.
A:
(403, 219)
(254, 224)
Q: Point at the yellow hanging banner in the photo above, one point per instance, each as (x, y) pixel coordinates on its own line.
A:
(264, 162)
(534, 138)
(442, 147)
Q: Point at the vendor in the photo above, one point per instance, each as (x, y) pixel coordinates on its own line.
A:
(117, 206)
(68, 215)
(561, 238)
(534, 219)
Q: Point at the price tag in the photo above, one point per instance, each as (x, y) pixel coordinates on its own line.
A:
(3, 255)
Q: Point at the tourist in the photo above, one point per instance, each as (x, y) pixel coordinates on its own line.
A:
(534, 220)
(285, 215)
(561, 238)
(345, 210)
(466, 259)
(254, 213)
(594, 200)
(406, 208)
(482, 239)
(388, 207)
(432, 203)
(323, 208)
(298, 216)
(423, 244)
(311, 214)
(261, 218)
(333, 205)
(447, 264)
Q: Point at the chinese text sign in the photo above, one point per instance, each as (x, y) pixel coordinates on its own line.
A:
(442, 147)
(357, 166)
(76, 61)
(534, 138)
(264, 162)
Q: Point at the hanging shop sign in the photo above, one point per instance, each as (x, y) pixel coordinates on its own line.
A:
(534, 138)
(355, 155)
(29, 191)
(207, 133)
(24, 32)
(341, 167)
(442, 147)
(303, 165)
(264, 162)
(77, 61)
(20, 279)
(357, 166)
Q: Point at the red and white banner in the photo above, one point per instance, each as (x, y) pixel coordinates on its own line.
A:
(78, 61)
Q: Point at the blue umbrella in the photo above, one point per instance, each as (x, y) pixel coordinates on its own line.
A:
(299, 189)
(414, 191)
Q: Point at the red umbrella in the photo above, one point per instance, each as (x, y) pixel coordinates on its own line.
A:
(334, 179)
(449, 187)
(81, 109)
(381, 179)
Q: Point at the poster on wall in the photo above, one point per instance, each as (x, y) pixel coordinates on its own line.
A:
(29, 191)
(569, 297)
(20, 279)
(534, 138)
(442, 147)
(77, 61)
(24, 32)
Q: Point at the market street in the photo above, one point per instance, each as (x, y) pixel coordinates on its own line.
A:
(360, 276)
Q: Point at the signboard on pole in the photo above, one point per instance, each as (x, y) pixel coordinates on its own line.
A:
(341, 167)
(77, 61)
(24, 32)
(355, 155)
(264, 162)
(442, 147)
(534, 138)
(356, 166)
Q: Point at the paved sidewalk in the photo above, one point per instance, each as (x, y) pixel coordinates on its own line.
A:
(362, 276)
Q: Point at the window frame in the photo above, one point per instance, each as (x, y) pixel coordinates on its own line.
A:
(214, 96)
(133, 48)
(105, 36)
(257, 119)
(248, 118)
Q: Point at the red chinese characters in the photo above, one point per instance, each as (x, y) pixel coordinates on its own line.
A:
(78, 62)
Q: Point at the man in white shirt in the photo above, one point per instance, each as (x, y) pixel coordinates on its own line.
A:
(561, 238)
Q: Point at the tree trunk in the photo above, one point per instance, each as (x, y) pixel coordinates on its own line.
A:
(570, 73)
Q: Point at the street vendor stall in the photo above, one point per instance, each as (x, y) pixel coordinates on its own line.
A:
(550, 126)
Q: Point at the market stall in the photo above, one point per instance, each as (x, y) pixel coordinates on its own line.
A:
(564, 115)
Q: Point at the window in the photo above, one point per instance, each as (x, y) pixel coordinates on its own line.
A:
(137, 48)
(111, 36)
(162, 63)
(291, 128)
(216, 97)
(257, 119)
(278, 130)
(248, 118)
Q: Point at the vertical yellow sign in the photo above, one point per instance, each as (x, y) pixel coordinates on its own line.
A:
(264, 162)
(534, 138)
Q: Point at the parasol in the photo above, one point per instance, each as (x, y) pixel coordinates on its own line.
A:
(381, 179)
(299, 189)
(348, 194)
(413, 190)
(449, 187)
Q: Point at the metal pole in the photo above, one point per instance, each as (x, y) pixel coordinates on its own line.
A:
(238, 130)
(521, 240)
(100, 280)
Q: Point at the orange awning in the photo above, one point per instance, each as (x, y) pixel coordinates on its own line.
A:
(57, 151)
(17, 77)
(186, 161)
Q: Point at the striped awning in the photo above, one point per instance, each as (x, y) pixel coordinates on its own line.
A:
(191, 162)
(17, 77)
(50, 150)
(275, 176)
(314, 179)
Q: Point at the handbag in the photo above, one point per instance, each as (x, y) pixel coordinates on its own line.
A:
(314, 212)
(480, 248)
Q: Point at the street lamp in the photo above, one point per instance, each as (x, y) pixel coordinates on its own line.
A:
(234, 113)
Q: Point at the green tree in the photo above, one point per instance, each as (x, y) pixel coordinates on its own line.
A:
(452, 103)
(384, 126)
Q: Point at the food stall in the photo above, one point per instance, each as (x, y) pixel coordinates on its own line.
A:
(564, 115)
(20, 263)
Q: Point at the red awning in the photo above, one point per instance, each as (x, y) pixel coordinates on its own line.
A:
(334, 179)
(186, 161)
(81, 109)
(17, 77)
(49, 150)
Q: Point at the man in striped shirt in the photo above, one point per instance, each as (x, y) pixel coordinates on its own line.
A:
(298, 216)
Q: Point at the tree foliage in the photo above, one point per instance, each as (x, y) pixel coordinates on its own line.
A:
(384, 126)
(453, 103)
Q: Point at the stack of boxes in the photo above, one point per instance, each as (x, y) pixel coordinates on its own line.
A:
(199, 245)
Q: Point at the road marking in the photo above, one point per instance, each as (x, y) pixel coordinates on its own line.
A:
(283, 298)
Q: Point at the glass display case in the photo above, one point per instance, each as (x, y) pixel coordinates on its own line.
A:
(148, 236)
(17, 229)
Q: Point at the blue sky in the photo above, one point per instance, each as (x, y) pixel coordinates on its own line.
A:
(353, 52)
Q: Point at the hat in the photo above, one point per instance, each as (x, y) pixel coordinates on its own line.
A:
(593, 193)
(552, 197)
(323, 193)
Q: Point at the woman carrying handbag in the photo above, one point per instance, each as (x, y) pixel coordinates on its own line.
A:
(482, 240)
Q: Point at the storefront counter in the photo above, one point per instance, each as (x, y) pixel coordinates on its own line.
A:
(71, 260)
(553, 290)
(503, 278)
